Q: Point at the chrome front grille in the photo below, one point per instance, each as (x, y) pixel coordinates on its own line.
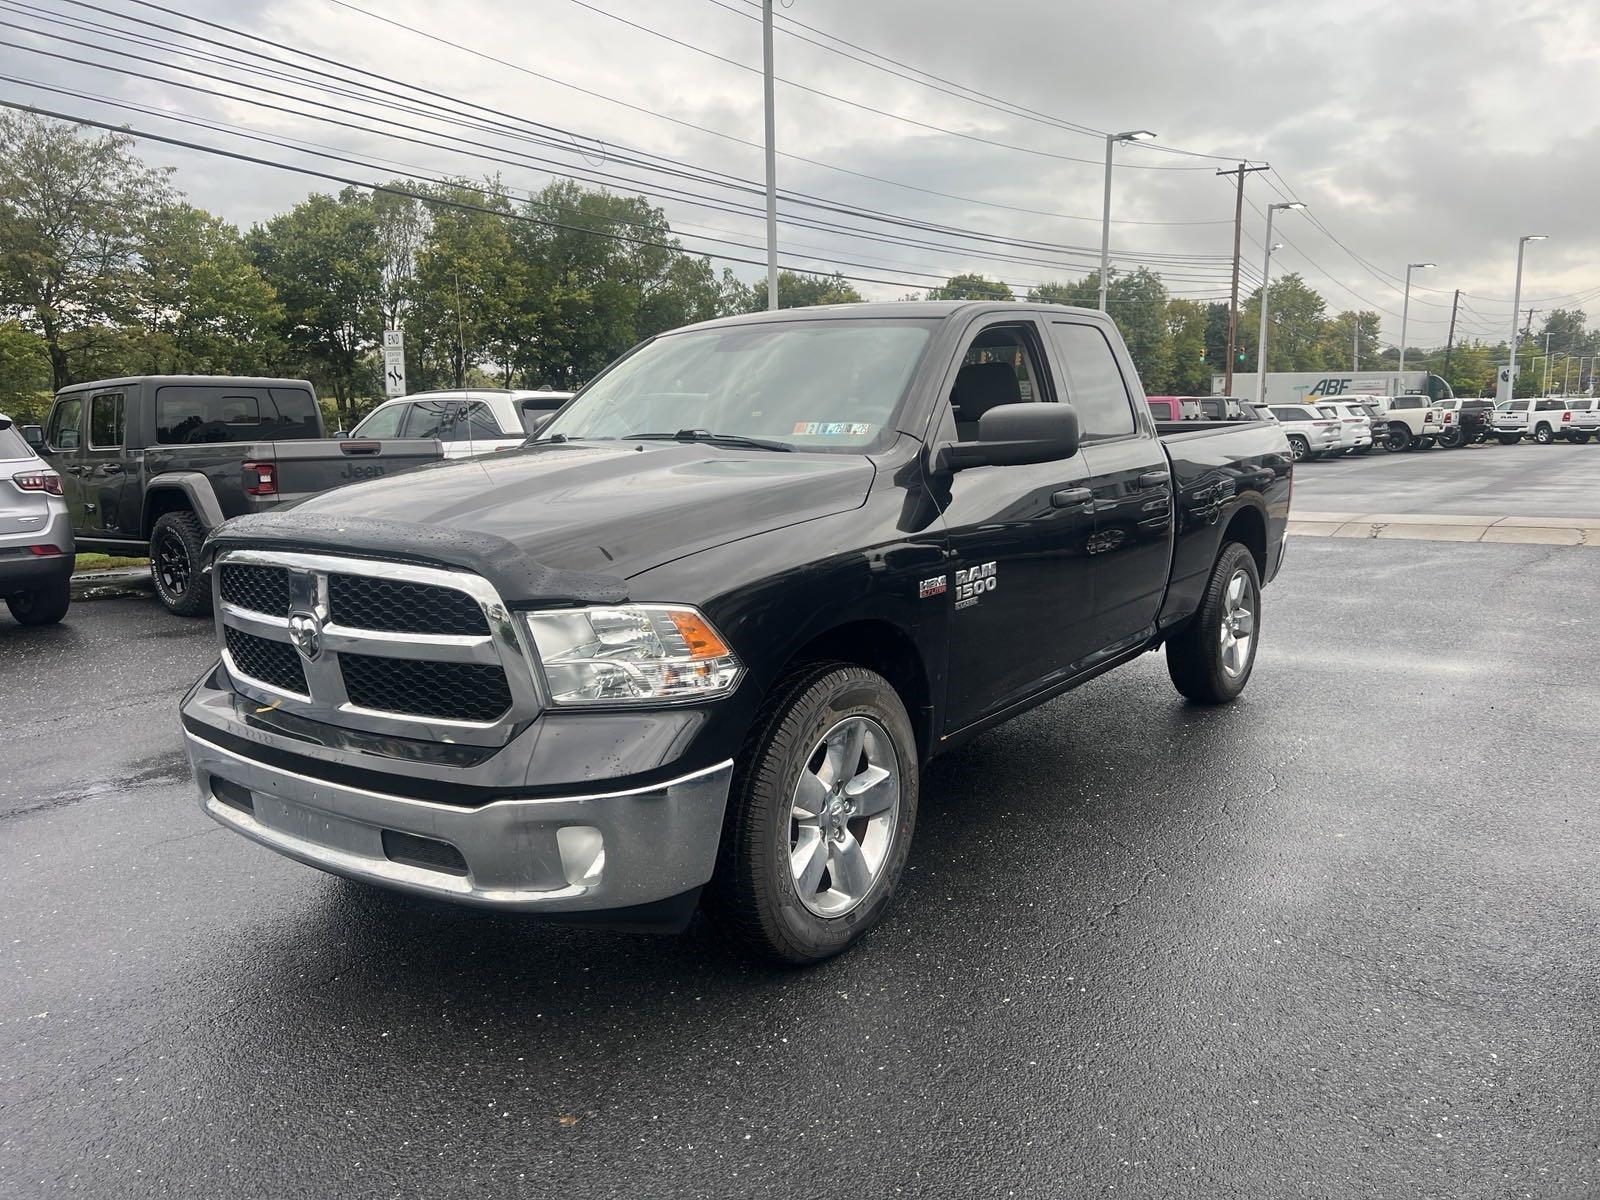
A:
(387, 648)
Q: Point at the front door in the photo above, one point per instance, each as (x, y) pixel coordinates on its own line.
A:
(1018, 577)
(103, 477)
(63, 439)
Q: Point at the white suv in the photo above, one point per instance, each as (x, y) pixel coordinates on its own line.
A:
(1545, 419)
(1355, 424)
(1310, 433)
(470, 422)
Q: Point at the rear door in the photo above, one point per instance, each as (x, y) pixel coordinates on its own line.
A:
(1131, 480)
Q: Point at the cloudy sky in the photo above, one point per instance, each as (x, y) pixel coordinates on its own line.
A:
(1428, 130)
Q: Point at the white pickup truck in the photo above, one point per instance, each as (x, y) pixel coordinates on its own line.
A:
(1545, 419)
(1414, 422)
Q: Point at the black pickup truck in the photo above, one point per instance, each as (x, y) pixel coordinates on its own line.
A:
(698, 640)
(150, 465)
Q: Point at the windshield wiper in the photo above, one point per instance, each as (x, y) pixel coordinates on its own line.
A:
(705, 435)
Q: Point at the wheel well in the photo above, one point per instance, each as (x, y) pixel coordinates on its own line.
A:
(885, 648)
(160, 502)
(1249, 528)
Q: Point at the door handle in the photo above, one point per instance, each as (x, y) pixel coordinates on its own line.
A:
(1153, 479)
(1071, 498)
(111, 468)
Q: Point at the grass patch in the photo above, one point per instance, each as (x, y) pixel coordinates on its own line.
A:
(107, 562)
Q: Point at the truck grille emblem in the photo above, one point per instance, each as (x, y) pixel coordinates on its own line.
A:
(305, 631)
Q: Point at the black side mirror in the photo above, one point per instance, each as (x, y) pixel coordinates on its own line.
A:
(1015, 434)
(34, 436)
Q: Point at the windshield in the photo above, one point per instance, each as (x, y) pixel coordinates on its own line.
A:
(815, 385)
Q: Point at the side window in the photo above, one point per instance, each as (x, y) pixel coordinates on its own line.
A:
(1285, 413)
(1001, 366)
(1327, 410)
(480, 423)
(197, 414)
(430, 419)
(105, 421)
(66, 425)
(382, 422)
(1096, 388)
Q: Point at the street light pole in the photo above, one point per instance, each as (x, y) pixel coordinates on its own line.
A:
(772, 156)
(1516, 308)
(1547, 364)
(1132, 135)
(1405, 317)
(1266, 279)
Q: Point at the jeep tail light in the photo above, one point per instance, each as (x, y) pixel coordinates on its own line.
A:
(260, 479)
(38, 481)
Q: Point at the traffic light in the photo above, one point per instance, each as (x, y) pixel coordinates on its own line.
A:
(1238, 355)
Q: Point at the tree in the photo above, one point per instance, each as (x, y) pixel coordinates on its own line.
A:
(200, 301)
(24, 373)
(1189, 370)
(795, 291)
(1085, 293)
(323, 259)
(971, 287)
(468, 296)
(1294, 326)
(1138, 304)
(72, 209)
(1337, 345)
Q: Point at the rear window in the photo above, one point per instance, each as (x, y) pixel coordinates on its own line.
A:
(1550, 406)
(1519, 406)
(194, 414)
(12, 444)
(1409, 402)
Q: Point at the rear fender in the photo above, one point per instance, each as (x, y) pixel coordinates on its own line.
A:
(195, 489)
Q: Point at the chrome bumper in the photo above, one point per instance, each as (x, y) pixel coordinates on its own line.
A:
(577, 853)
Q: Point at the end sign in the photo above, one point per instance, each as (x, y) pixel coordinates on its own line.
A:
(394, 362)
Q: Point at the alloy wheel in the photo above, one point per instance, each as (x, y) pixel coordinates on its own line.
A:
(172, 565)
(843, 816)
(1238, 624)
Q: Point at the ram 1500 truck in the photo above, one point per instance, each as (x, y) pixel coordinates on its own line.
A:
(152, 464)
(698, 640)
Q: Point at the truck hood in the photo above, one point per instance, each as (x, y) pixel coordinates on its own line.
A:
(582, 511)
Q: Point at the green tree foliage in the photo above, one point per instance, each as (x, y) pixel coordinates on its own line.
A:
(24, 373)
(1295, 333)
(323, 259)
(1189, 369)
(202, 304)
(794, 291)
(72, 211)
(971, 287)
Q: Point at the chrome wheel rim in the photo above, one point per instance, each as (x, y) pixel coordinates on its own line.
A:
(843, 816)
(1238, 624)
(1297, 448)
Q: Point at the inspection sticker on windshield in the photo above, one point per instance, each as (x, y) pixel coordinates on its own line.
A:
(832, 428)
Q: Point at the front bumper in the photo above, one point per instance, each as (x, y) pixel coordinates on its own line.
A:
(589, 849)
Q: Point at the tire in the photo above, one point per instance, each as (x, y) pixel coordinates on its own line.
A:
(1398, 439)
(755, 897)
(1509, 439)
(1452, 439)
(43, 605)
(1367, 449)
(1423, 443)
(1582, 438)
(1299, 447)
(175, 564)
(1544, 435)
(1197, 660)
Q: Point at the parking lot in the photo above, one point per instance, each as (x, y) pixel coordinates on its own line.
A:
(1337, 939)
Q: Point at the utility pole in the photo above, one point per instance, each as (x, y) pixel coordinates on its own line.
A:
(1450, 342)
(1355, 349)
(772, 156)
(1516, 305)
(1566, 379)
(1547, 363)
(1240, 171)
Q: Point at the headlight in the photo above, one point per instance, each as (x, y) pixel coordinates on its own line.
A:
(632, 654)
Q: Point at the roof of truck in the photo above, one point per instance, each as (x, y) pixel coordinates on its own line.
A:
(880, 309)
(238, 380)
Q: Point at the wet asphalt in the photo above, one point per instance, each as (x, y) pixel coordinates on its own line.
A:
(1338, 939)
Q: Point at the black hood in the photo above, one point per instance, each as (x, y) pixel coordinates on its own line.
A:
(567, 521)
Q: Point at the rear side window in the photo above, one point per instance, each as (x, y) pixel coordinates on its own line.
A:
(1097, 389)
(1327, 410)
(196, 414)
(105, 421)
(66, 425)
(13, 445)
(1285, 413)
(452, 421)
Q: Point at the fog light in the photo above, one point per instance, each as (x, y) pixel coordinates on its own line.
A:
(583, 854)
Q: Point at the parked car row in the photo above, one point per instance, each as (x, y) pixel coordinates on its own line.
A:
(1327, 426)
(149, 465)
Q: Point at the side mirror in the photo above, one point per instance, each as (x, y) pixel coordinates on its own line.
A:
(341, 434)
(1013, 435)
(34, 436)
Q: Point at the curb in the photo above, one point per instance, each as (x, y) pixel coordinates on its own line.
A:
(1537, 531)
(102, 585)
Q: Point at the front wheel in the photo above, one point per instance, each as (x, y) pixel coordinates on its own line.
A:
(175, 544)
(820, 816)
(43, 605)
(1210, 661)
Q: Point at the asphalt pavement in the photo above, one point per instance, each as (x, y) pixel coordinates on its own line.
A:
(1488, 479)
(1338, 939)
